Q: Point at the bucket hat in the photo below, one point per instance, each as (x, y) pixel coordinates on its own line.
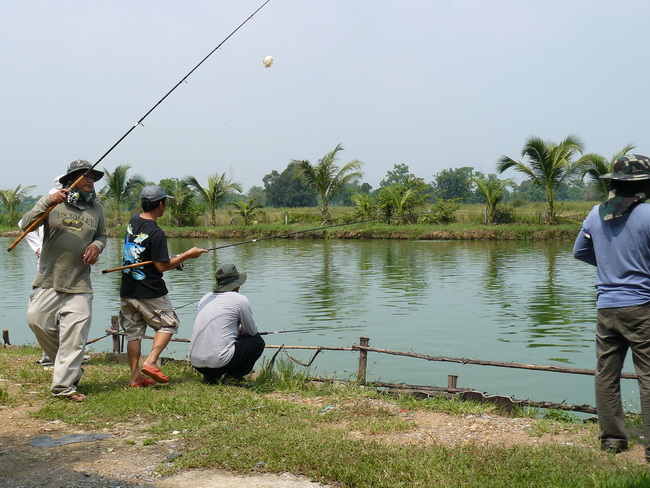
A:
(229, 278)
(623, 194)
(79, 165)
(630, 167)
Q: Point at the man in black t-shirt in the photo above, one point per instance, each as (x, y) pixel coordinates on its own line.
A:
(143, 294)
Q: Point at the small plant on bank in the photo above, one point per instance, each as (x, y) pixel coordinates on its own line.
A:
(4, 397)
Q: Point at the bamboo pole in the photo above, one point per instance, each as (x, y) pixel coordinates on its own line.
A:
(555, 369)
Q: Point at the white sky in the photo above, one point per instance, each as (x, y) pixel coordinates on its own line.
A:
(434, 84)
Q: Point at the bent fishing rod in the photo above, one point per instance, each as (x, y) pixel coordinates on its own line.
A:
(144, 263)
(38, 221)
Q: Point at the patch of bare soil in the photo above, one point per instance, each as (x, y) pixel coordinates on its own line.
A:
(122, 459)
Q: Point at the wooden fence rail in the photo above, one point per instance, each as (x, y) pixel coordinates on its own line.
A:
(363, 348)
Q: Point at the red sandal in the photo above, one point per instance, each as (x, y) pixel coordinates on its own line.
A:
(154, 373)
(144, 382)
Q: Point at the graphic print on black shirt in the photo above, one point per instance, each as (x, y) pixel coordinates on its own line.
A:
(144, 241)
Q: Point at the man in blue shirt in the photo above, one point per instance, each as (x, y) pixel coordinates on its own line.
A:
(615, 237)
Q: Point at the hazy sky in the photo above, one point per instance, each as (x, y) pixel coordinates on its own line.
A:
(434, 84)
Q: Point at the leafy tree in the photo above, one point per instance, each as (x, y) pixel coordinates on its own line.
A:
(119, 190)
(549, 165)
(10, 200)
(528, 191)
(455, 184)
(345, 196)
(257, 193)
(287, 189)
(215, 194)
(326, 178)
(493, 193)
(247, 210)
(594, 166)
(401, 176)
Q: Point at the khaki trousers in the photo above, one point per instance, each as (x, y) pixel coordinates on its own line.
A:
(617, 330)
(61, 322)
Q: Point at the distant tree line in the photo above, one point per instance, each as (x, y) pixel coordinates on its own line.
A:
(552, 172)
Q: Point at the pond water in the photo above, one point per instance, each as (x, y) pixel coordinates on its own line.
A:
(498, 301)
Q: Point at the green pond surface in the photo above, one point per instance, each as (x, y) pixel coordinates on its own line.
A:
(521, 302)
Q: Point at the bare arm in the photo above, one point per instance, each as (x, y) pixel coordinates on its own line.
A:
(173, 262)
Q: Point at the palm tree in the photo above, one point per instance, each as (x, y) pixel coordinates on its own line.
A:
(493, 191)
(594, 166)
(365, 205)
(10, 199)
(549, 165)
(248, 210)
(181, 211)
(397, 201)
(218, 190)
(120, 189)
(326, 178)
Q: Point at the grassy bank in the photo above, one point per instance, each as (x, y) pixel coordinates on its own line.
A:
(528, 225)
(340, 433)
(458, 231)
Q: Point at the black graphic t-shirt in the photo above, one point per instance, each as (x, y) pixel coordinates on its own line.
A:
(144, 241)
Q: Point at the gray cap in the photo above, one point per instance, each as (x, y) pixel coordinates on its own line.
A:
(153, 193)
(228, 278)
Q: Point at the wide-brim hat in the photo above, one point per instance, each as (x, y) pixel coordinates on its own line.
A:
(79, 165)
(631, 167)
(229, 278)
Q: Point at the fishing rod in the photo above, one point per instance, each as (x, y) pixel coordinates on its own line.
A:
(110, 332)
(144, 263)
(310, 329)
(38, 221)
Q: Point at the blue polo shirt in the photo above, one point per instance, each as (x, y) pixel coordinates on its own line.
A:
(620, 249)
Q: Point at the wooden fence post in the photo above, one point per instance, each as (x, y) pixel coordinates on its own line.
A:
(117, 339)
(452, 381)
(5, 337)
(363, 360)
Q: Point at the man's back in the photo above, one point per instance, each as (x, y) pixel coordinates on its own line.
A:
(621, 250)
(216, 328)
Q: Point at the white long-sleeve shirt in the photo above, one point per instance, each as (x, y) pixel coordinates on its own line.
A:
(216, 327)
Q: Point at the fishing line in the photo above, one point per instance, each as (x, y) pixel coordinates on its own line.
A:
(139, 122)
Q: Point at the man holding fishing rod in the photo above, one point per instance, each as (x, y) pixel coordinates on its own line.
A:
(225, 341)
(60, 305)
(615, 237)
(143, 293)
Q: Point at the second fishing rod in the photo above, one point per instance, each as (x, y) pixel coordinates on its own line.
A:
(251, 241)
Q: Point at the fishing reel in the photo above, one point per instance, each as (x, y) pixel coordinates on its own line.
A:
(73, 197)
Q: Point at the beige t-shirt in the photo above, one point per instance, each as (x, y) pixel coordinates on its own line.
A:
(67, 232)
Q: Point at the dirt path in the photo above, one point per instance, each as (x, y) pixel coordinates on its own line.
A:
(122, 460)
(107, 463)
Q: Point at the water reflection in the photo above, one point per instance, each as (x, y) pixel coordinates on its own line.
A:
(507, 301)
